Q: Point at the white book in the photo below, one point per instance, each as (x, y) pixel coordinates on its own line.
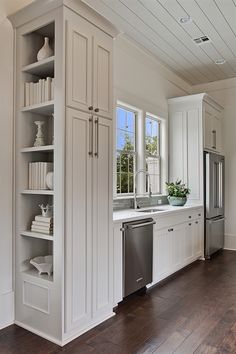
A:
(43, 90)
(41, 223)
(31, 85)
(38, 93)
(36, 176)
(27, 94)
(48, 88)
(30, 175)
(45, 228)
(41, 231)
(52, 88)
(35, 93)
(40, 90)
(33, 175)
(43, 219)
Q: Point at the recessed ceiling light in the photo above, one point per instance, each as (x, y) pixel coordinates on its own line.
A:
(185, 19)
(220, 61)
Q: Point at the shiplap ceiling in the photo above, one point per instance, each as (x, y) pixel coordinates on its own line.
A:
(154, 24)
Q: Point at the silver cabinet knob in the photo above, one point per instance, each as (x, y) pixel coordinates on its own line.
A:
(90, 108)
(96, 110)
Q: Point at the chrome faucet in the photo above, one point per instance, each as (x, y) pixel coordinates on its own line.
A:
(135, 182)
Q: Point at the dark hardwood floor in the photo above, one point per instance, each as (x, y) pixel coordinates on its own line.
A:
(193, 312)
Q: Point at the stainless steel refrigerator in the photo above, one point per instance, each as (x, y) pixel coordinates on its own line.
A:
(214, 195)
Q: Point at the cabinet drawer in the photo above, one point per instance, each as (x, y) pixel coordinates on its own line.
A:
(178, 218)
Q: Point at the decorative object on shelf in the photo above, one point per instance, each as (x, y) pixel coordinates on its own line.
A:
(47, 211)
(44, 264)
(39, 141)
(50, 180)
(177, 193)
(42, 224)
(46, 51)
(37, 174)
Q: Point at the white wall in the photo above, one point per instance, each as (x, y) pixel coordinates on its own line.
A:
(141, 79)
(144, 83)
(225, 93)
(6, 131)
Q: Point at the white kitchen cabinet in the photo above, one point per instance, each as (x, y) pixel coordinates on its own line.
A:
(89, 68)
(79, 293)
(162, 252)
(79, 237)
(194, 125)
(89, 250)
(212, 128)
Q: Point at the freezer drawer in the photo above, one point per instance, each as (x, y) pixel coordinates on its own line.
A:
(214, 235)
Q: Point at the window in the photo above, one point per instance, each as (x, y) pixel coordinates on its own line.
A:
(125, 151)
(138, 146)
(152, 151)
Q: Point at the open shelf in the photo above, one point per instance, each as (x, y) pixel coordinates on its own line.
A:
(42, 68)
(38, 191)
(37, 235)
(45, 148)
(44, 108)
(34, 273)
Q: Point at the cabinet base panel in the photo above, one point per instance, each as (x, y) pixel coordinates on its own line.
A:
(6, 309)
(61, 343)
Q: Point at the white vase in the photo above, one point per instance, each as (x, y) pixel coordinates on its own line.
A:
(46, 51)
(39, 141)
(49, 180)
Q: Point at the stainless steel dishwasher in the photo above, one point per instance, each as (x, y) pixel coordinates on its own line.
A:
(137, 254)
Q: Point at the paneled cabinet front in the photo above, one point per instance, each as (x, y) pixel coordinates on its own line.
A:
(89, 68)
(89, 239)
(213, 129)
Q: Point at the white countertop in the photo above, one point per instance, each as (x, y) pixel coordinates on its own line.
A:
(131, 214)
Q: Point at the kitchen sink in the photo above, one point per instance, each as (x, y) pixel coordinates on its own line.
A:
(150, 210)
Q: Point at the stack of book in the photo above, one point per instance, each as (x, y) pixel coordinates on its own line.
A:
(42, 225)
(38, 92)
(37, 174)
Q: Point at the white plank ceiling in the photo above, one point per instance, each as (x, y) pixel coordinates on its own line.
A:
(154, 24)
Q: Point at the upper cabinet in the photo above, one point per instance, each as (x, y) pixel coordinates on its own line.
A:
(89, 68)
(194, 126)
(212, 115)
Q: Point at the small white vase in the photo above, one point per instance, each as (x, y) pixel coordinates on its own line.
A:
(46, 51)
(49, 180)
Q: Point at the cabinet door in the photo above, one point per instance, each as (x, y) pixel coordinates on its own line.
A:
(102, 74)
(189, 243)
(79, 63)
(78, 241)
(177, 241)
(162, 253)
(198, 238)
(102, 218)
(212, 133)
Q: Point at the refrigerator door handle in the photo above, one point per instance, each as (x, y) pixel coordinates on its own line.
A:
(220, 190)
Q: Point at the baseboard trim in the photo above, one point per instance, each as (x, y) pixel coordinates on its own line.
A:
(65, 341)
(230, 242)
(6, 309)
(69, 338)
(39, 333)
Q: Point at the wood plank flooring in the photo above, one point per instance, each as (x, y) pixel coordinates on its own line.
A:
(193, 312)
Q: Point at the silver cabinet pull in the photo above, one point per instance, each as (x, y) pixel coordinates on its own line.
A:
(90, 108)
(96, 122)
(196, 222)
(170, 230)
(96, 110)
(190, 224)
(90, 136)
(131, 227)
(214, 139)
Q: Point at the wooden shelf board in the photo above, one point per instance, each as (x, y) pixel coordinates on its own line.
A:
(34, 273)
(45, 148)
(44, 108)
(41, 68)
(37, 235)
(40, 191)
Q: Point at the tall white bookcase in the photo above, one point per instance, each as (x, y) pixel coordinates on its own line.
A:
(42, 302)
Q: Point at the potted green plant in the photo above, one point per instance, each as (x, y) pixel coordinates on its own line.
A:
(177, 193)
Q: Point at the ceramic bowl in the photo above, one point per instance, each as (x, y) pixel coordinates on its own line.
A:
(43, 264)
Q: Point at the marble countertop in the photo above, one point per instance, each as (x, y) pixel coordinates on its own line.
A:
(131, 214)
